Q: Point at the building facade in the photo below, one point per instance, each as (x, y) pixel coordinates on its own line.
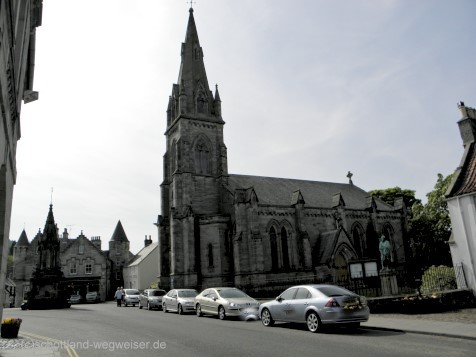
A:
(141, 271)
(84, 265)
(217, 228)
(461, 199)
(18, 22)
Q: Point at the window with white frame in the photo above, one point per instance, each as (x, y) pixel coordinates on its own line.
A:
(88, 268)
(73, 268)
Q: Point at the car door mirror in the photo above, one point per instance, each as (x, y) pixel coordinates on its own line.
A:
(279, 299)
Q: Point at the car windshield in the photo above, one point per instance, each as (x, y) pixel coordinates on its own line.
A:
(91, 293)
(333, 291)
(131, 292)
(187, 293)
(157, 293)
(232, 293)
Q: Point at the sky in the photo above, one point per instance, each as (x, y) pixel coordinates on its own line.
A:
(310, 89)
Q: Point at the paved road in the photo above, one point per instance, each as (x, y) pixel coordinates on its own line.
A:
(104, 329)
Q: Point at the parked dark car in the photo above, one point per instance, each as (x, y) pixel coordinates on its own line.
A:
(151, 299)
(316, 305)
(179, 300)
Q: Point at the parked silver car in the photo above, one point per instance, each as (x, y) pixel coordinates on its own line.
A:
(151, 299)
(316, 305)
(179, 300)
(225, 302)
(131, 297)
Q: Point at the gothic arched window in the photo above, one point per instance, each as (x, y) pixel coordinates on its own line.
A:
(358, 239)
(173, 158)
(284, 247)
(274, 249)
(210, 255)
(202, 158)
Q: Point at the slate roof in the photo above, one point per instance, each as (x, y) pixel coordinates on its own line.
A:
(143, 253)
(279, 192)
(464, 181)
(23, 240)
(119, 235)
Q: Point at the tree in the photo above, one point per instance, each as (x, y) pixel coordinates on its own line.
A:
(430, 227)
(389, 195)
(429, 224)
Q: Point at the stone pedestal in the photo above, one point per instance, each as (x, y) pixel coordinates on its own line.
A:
(388, 281)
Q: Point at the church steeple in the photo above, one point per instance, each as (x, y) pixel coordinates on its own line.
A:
(191, 96)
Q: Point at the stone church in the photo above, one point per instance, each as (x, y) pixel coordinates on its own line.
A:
(221, 229)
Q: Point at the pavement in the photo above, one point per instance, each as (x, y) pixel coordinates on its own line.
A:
(455, 324)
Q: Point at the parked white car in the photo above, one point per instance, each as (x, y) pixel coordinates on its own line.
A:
(131, 297)
(179, 300)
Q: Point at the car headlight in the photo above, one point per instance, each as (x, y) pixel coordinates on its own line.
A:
(232, 304)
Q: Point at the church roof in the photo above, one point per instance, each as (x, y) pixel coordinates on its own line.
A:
(119, 235)
(23, 240)
(280, 191)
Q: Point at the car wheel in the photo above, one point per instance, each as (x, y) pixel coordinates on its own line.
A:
(164, 307)
(148, 306)
(266, 318)
(313, 322)
(198, 310)
(221, 313)
(180, 310)
(133, 305)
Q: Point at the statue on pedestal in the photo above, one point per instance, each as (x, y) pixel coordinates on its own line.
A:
(385, 252)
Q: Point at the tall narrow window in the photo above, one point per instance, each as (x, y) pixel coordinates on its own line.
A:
(202, 157)
(274, 249)
(173, 158)
(284, 247)
(210, 255)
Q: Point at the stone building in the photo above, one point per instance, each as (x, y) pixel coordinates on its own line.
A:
(461, 199)
(85, 266)
(18, 22)
(218, 228)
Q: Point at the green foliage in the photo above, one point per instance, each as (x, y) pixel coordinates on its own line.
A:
(430, 227)
(154, 285)
(429, 224)
(389, 195)
(438, 278)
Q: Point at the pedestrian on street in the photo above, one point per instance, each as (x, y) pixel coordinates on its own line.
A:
(118, 296)
(123, 295)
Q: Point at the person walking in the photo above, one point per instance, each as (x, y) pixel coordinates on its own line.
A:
(118, 296)
(123, 296)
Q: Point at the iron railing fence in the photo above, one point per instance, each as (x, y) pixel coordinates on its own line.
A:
(431, 280)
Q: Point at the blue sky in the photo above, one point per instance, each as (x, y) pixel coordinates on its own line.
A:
(310, 89)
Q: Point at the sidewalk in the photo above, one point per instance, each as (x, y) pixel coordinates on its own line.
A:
(444, 324)
(29, 346)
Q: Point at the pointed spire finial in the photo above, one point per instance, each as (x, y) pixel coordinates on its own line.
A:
(191, 2)
(51, 196)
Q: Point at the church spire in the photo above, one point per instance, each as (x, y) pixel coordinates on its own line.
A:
(192, 95)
